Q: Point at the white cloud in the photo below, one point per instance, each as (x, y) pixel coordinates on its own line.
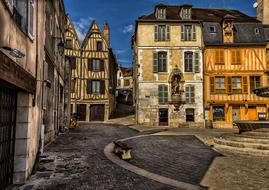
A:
(128, 29)
(120, 51)
(82, 26)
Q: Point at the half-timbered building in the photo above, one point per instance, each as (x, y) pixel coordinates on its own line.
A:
(96, 96)
(234, 64)
(73, 57)
(168, 72)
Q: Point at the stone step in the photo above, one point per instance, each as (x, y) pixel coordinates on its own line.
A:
(245, 138)
(262, 130)
(257, 133)
(231, 143)
(247, 151)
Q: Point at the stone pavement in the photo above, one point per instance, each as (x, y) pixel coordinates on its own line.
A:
(77, 161)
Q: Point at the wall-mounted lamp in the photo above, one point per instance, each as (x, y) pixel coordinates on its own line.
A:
(60, 45)
(14, 52)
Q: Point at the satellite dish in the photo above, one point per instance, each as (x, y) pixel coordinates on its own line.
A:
(255, 5)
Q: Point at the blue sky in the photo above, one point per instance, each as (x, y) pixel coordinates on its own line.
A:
(121, 16)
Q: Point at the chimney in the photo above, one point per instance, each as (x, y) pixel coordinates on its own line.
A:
(107, 33)
(262, 7)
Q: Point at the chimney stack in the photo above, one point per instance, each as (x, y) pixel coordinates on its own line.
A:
(107, 33)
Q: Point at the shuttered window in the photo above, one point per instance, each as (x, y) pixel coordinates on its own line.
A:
(236, 57)
(95, 64)
(162, 33)
(219, 57)
(163, 94)
(188, 32)
(159, 62)
(255, 82)
(190, 94)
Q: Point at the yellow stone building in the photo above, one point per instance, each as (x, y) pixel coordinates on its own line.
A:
(168, 70)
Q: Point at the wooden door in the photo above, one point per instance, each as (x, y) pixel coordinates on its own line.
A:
(252, 113)
(163, 117)
(97, 112)
(81, 110)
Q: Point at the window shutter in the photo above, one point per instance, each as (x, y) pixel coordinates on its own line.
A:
(156, 32)
(229, 85)
(238, 57)
(89, 86)
(89, 64)
(160, 87)
(196, 62)
(233, 57)
(187, 94)
(102, 87)
(192, 95)
(155, 62)
(193, 32)
(221, 56)
(212, 85)
(31, 18)
(167, 32)
(165, 88)
(102, 65)
(182, 33)
(245, 85)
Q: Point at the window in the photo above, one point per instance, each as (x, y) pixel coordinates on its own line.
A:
(160, 62)
(161, 13)
(72, 61)
(212, 29)
(219, 57)
(95, 65)
(31, 18)
(188, 32)
(99, 46)
(95, 87)
(189, 93)
(255, 82)
(119, 82)
(73, 85)
(189, 114)
(236, 85)
(191, 62)
(163, 94)
(68, 44)
(236, 57)
(220, 85)
(218, 113)
(126, 82)
(257, 31)
(162, 33)
(186, 13)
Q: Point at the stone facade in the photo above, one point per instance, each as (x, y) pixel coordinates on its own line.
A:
(147, 81)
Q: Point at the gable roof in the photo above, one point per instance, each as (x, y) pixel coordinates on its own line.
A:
(90, 31)
(74, 29)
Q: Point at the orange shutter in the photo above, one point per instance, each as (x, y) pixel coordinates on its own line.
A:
(245, 85)
(229, 85)
(238, 57)
(212, 85)
(233, 57)
(221, 54)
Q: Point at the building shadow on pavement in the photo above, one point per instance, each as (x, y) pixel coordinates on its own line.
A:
(122, 110)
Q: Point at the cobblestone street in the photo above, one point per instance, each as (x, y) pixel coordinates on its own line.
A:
(76, 160)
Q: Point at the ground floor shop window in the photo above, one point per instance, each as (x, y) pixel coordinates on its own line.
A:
(189, 114)
(218, 113)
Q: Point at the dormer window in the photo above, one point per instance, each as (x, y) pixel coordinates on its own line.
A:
(161, 13)
(186, 13)
(257, 31)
